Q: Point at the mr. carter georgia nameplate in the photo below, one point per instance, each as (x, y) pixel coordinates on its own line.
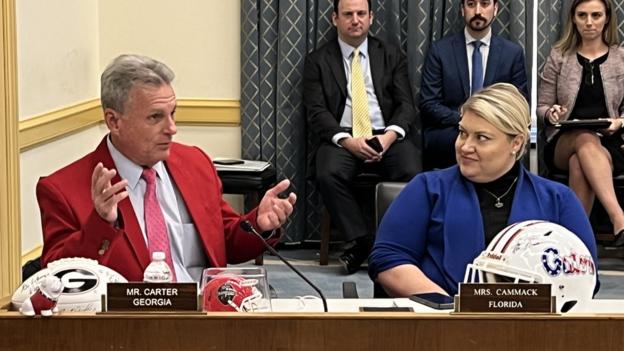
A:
(505, 297)
(144, 297)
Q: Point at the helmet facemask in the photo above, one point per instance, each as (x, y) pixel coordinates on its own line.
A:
(538, 252)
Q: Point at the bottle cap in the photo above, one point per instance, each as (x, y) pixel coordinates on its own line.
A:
(158, 256)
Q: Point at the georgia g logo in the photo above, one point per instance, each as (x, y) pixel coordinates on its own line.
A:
(77, 280)
(226, 293)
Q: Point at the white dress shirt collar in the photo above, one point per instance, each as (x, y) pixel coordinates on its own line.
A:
(347, 50)
(485, 40)
(129, 170)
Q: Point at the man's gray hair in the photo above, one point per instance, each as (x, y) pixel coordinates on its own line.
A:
(127, 71)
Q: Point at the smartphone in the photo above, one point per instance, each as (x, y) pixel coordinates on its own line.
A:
(284, 194)
(434, 300)
(374, 144)
(228, 162)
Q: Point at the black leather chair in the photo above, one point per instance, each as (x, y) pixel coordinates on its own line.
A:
(385, 193)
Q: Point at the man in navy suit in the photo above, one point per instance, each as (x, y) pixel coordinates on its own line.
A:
(449, 78)
(383, 93)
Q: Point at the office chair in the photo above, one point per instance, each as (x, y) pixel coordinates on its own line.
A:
(385, 193)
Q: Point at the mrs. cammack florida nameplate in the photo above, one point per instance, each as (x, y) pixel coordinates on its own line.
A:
(505, 297)
(144, 297)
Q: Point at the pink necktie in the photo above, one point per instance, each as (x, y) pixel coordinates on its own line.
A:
(157, 238)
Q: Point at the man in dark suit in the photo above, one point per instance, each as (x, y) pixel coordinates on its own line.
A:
(449, 78)
(140, 192)
(356, 93)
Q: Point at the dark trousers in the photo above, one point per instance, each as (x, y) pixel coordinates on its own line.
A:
(335, 169)
(439, 150)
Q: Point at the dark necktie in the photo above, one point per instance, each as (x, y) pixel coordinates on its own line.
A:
(155, 226)
(477, 68)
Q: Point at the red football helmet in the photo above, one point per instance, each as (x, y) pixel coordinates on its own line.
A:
(231, 293)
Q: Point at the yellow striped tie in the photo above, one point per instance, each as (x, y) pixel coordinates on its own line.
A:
(359, 99)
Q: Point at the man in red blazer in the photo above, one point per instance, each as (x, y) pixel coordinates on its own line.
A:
(94, 206)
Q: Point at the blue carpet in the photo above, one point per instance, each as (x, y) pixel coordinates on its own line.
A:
(287, 284)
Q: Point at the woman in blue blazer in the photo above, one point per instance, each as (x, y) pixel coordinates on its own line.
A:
(443, 219)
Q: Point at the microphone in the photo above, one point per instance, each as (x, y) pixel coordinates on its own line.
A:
(246, 226)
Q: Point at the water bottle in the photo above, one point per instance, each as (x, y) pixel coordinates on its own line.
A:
(158, 271)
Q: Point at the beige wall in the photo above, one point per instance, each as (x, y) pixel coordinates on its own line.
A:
(57, 53)
(198, 39)
(63, 48)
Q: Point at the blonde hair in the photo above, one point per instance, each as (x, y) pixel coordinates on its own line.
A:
(571, 39)
(503, 106)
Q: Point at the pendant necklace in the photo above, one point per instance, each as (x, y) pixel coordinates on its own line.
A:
(589, 78)
(498, 203)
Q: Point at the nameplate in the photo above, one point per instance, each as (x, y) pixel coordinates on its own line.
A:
(151, 297)
(505, 297)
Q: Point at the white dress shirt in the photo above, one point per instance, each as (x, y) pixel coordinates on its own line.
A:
(187, 254)
(374, 111)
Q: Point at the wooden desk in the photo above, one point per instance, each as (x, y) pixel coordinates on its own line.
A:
(426, 329)
(311, 331)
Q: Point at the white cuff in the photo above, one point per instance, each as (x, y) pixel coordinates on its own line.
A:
(336, 138)
(400, 131)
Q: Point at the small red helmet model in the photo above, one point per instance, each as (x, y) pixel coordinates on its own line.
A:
(231, 293)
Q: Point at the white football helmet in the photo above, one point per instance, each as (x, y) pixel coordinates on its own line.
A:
(538, 252)
(84, 282)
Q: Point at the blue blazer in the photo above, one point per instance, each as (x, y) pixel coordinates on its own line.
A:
(445, 85)
(435, 223)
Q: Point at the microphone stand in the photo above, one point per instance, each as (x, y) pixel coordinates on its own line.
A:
(246, 226)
